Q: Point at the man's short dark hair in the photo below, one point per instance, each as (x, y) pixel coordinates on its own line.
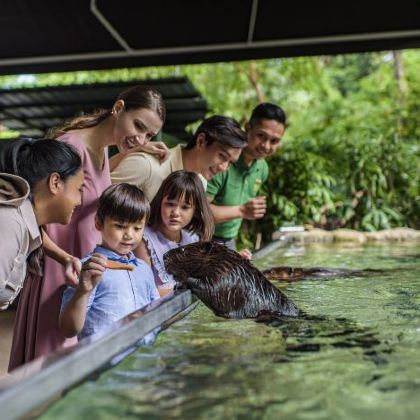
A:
(223, 129)
(267, 111)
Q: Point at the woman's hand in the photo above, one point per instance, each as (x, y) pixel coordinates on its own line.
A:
(156, 148)
(72, 270)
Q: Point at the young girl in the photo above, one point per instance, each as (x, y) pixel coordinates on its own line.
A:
(180, 215)
(104, 295)
(41, 183)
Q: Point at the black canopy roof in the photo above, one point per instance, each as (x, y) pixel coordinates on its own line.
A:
(58, 35)
(32, 111)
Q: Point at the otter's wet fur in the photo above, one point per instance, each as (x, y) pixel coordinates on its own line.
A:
(285, 273)
(226, 282)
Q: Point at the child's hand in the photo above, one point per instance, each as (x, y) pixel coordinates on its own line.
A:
(245, 253)
(91, 273)
(72, 271)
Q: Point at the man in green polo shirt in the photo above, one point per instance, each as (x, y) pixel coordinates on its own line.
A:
(234, 194)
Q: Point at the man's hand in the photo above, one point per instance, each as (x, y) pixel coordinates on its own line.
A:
(254, 208)
(91, 273)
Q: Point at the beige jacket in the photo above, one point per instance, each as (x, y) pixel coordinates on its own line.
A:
(19, 235)
(146, 172)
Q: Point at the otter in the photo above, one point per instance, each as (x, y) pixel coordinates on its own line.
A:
(227, 283)
(285, 273)
(289, 274)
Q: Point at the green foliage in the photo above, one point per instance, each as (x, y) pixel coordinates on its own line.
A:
(9, 134)
(351, 155)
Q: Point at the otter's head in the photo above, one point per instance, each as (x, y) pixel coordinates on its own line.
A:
(200, 260)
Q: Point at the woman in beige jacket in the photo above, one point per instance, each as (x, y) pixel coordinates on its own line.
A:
(40, 182)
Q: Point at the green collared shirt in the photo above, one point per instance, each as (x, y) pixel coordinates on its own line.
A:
(234, 187)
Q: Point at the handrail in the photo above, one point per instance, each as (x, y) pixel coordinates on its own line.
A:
(31, 385)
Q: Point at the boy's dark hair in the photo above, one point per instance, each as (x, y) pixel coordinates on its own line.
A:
(223, 129)
(188, 186)
(267, 111)
(124, 202)
(36, 159)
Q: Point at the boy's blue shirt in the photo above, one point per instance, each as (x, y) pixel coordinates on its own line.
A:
(119, 293)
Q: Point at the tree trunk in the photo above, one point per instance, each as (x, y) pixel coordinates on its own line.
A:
(251, 73)
(253, 78)
(399, 73)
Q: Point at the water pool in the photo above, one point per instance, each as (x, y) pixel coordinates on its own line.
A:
(356, 358)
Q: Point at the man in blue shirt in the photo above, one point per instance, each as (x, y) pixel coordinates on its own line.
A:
(113, 282)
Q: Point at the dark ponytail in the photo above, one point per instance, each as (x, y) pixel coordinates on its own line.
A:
(36, 160)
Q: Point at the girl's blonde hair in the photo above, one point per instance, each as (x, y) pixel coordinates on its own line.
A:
(188, 186)
(134, 98)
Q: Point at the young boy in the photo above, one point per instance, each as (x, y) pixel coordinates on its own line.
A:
(105, 295)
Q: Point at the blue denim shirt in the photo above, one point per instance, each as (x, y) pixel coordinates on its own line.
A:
(119, 293)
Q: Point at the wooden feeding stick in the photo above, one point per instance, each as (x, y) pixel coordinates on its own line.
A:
(114, 265)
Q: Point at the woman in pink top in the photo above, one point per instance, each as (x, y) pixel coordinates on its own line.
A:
(136, 117)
